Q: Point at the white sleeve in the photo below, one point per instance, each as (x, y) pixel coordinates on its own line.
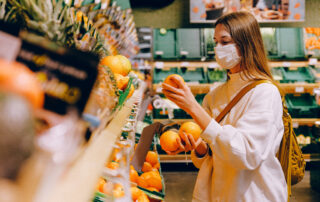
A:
(197, 161)
(251, 140)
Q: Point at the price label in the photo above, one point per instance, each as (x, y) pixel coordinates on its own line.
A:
(299, 89)
(10, 46)
(159, 52)
(185, 64)
(313, 61)
(286, 64)
(159, 65)
(147, 37)
(295, 125)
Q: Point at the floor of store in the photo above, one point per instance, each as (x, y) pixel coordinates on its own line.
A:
(179, 187)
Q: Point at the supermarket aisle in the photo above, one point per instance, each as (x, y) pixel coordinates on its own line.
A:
(179, 187)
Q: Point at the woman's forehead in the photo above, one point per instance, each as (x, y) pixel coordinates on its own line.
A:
(221, 31)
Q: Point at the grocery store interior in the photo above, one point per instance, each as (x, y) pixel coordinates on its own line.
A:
(83, 113)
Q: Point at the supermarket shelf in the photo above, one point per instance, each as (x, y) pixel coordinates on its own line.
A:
(181, 158)
(300, 121)
(212, 63)
(287, 87)
(79, 181)
(303, 122)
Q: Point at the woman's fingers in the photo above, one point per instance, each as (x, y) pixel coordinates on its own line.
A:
(172, 89)
(192, 141)
(181, 146)
(188, 146)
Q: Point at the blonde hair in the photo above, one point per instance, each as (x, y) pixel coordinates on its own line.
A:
(245, 32)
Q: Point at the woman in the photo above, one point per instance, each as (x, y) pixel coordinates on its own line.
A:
(236, 157)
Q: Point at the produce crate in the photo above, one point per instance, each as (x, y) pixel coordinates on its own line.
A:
(159, 75)
(270, 41)
(216, 75)
(277, 73)
(302, 106)
(304, 135)
(189, 43)
(196, 75)
(290, 43)
(164, 44)
(302, 74)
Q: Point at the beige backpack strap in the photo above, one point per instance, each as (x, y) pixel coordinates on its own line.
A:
(238, 97)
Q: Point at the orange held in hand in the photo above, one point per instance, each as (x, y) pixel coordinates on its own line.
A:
(168, 141)
(170, 80)
(118, 64)
(190, 128)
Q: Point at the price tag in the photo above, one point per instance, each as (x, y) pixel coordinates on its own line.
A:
(159, 65)
(10, 46)
(213, 65)
(313, 61)
(299, 89)
(159, 52)
(185, 64)
(295, 125)
(147, 37)
(286, 64)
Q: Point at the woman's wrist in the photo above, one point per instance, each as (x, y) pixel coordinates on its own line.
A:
(201, 150)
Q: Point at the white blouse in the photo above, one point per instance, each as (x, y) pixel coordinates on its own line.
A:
(243, 165)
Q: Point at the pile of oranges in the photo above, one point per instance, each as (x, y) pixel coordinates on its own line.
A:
(120, 66)
(149, 179)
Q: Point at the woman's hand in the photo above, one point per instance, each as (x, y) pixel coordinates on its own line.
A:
(190, 144)
(181, 96)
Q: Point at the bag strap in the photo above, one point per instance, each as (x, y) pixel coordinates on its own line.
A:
(238, 97)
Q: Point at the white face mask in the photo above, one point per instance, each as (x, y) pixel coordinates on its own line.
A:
(227, 56)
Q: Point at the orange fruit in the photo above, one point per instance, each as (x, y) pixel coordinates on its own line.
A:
(135, 193)
(172, 83)
(153, 189)
(190, 128)
(113, 165)
(146, 167)
(152, 179)
(118, 191)
(142, 182)
(17, 78)
(118, 64)
(143, 198)
(131, 91)
(133, 175)
(157, 166)
(122, 81)
(168, 141)
(100, 184)
(152, 158)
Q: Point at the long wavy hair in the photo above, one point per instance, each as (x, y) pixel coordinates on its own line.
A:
(245, 31)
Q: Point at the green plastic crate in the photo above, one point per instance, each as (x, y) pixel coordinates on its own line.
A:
(302, 74)
(164, 46)
(216, 75)
(290, 43)
(159, 75)
(189, 43)
(302, 105)
(270, 41)
(277, 74)
(197, 75)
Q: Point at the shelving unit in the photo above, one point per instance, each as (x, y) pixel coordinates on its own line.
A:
(287, 87)
(79, 182)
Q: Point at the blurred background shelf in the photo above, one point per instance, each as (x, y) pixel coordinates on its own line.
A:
(198, 88)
